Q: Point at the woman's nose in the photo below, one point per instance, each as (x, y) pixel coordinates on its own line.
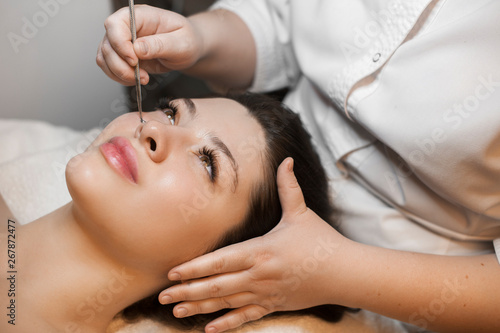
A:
(159, 139)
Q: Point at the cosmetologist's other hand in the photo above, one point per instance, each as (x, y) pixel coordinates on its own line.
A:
(165, 41)
(289, 268)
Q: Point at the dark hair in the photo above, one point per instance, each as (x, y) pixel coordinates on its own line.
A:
(285, 137)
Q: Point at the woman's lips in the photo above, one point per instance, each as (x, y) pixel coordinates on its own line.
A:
(121, 156)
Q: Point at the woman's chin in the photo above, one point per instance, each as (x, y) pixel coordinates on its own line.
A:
(80, 175)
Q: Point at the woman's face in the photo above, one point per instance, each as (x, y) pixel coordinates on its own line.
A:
(160, 193)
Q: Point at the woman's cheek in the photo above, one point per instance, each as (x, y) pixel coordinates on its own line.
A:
(124, 125)
(194, 202)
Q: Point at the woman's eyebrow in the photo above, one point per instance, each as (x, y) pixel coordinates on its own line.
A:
(188, 102)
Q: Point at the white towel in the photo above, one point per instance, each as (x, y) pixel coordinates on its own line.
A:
(33, 157)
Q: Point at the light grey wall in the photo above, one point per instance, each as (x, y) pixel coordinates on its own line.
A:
(47, 63)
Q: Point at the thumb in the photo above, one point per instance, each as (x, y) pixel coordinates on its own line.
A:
(150, 47)
(290, 193)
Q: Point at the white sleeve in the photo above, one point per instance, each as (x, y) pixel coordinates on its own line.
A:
(269, 23)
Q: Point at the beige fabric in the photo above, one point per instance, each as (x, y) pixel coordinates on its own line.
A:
(33, 158)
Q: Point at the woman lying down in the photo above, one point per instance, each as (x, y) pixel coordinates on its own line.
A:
(197, 176)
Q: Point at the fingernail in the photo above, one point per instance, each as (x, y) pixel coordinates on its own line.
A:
(290, 165)
(181, 312)
(211, 330)
(166, 299)
(174, 276)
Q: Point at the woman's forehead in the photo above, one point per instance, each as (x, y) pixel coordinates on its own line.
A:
(237, 129)
(231, 121)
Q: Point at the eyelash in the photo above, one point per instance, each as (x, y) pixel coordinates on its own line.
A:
(211, 161)
(165, 104)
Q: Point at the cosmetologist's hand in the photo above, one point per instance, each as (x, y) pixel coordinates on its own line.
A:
(165, 41)
(289, 268)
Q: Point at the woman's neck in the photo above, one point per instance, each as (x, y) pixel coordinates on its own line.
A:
(68, 280)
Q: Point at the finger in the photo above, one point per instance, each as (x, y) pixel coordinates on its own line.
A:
(119, 35)
(187, 309)
(232, 258)
(290, 193)
(153, 28)
(236, 318)
(102, 64)
(109, 73)
(161, 46)
(211, 287)
(143, 75)
(119, 67)
(174, 48)
(151, 20)
(153, 67)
